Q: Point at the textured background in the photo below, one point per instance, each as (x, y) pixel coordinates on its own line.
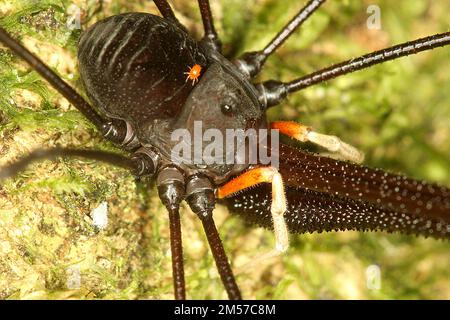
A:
(397, 113)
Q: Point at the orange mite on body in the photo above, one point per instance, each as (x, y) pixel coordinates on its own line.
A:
(194, 73)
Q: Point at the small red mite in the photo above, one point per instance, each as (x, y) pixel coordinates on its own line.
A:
(194, 73)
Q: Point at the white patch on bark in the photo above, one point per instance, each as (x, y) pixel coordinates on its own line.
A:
(100, 216)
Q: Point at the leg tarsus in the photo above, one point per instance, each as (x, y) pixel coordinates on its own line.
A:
(331, 143)
(277, 209)
(337, 146)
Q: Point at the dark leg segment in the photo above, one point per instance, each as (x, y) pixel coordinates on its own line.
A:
(201, 198)
(167, 12)
(177, 254)
(115, 132)
(165, 9)
(223, 266)
(53, 78)
(272, 92)
(251, 63)
(370, 59)
(108, 157)
(211, 36)
(171, 189)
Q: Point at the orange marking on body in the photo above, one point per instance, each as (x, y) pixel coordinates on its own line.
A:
(194, 73)
(292, 129)
(247, 179)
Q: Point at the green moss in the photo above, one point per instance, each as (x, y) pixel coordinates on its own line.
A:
(397, 113)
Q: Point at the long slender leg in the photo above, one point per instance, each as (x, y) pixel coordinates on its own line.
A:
(210, 36)
(11, 170)
(167, 12)
(177, 254)
(273, 92)
(220, 257)
(201, 198)
(278, 207)
(115, 132)
(165, 9)
(331, 143)
(171, 189)
(251, 63)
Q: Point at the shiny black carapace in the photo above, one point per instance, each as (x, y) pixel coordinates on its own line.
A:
(147, 78)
